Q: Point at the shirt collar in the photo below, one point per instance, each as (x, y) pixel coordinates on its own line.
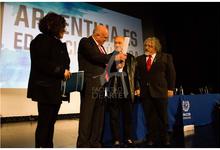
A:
(95, 41)
(153, 56)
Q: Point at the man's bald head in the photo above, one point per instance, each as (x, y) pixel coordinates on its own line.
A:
(100, 29)
(100, 34)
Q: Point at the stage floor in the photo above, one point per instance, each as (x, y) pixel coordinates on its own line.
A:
(21, 135)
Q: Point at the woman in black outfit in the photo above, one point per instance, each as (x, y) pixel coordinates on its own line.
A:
(50, 64)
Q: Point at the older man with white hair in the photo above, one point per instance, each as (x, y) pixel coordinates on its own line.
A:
(121, 97)
(156, 74)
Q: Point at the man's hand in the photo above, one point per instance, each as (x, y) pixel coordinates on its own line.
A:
(120, 65)
(67, 74)
(170, 93)
(137, 92)
(120, 57)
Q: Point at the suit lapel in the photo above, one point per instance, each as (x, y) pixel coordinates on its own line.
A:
(143, 61)
(94, 44)
(156, 59)
(104, 49)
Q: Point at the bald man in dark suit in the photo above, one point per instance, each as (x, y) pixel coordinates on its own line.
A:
(93, 59)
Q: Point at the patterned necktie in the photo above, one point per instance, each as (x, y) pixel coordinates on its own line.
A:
(101, 49)
(149, 62)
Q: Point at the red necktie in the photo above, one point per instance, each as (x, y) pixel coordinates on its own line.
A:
(149, 62)
(101, 48)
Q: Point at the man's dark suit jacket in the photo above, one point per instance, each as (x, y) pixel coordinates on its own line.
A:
(49, 59)
(92, 61)
(159, 79)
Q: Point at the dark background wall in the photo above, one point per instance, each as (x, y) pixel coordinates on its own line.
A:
(189, 31)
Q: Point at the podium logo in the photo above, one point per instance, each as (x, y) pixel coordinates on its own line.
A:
(185, 106)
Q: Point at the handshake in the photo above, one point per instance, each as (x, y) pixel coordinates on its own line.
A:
(120, 58)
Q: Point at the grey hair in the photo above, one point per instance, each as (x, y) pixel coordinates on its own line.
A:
(158, 46)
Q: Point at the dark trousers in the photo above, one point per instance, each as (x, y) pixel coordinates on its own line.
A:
(155, 110)
(47, 115)
(91, 120)
(123, 106)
